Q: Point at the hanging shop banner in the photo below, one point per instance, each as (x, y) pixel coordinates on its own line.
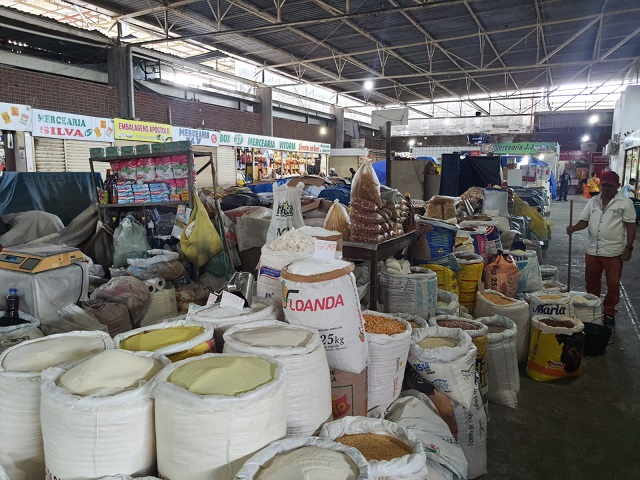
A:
(573, 156)
(71, 127)
(142, 131)
(598, 158)
(16, 117)
(524, 148)
(208, 138)
(271, 143)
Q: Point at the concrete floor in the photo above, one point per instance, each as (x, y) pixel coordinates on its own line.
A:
(582, 428)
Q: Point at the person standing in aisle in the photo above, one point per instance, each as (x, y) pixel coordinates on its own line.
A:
(611, 222)
(629, 190)
(332, 172)
(565, 180)
(594, 185)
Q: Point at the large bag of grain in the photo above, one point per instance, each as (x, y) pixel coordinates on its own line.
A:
(417, 413)
(127, 477)
(391, 450)
(21, 452)
(448, 303)
(490, 303)
(301, 353)
(15, 334)
(549, 272)
(550, 304)
(530, 279)
(587, 307)
(503, 275)
(306, 457)
(223, 318)
(97, 415)
(472, 240)
(323, 295)
(214, 411)
(445, 275)
(3, 474)
(556, 348)
(388, 339)
(176, 340)
(287, 210)
(415, 321)
(471, 268)
(493, 245)
(478, 333)
(414, 293)
(349, 393)
(472, 434)
(502, 358)
(435, 239)
(446, 357)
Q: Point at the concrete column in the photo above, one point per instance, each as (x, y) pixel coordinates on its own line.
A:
(120, 75)
(338, 112)
(265, 95)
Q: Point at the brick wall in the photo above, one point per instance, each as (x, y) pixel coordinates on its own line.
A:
(284, 128)
(50, 92)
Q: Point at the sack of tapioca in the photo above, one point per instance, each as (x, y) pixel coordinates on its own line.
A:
(322, 294)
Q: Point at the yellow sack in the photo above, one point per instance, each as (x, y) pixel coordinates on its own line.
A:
(200, 241)
(471, 267)
(446, 277)
(555, 348)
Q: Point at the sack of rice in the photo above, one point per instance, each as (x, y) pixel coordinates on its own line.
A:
(446, 357)
(388, 339)
(223, 318)
(502, 358)
(299, 349)
(492, 303)
(237, 400)
(22, 453)
(503, 275)
(587, 307)
(391, 450)
(478, 333)
(323, 295)
(176, 340)
(471, 268)
(549, 272)
(554, 286)
(15, 334)
(306, 457)
(550, 304)
(557, 345)
(530, 279)
(417, 413)
(97, 415)
(414, 293)
(447, 303)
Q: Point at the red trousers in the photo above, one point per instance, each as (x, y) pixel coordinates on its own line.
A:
(612, 267)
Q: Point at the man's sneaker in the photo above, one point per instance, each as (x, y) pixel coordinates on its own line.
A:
(609, 320)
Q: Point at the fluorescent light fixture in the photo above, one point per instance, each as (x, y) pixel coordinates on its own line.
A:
(412, 142)
(541, 156)
(323, 131)
(368, 85)
(525, 160)
(586, 138)
(593, 119)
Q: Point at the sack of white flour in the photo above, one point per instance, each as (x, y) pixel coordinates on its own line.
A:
(323, 295)
(287, 210)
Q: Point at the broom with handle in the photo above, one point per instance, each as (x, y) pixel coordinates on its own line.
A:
(570, 246)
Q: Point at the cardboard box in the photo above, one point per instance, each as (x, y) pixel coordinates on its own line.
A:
(349, 393)
(309, 180)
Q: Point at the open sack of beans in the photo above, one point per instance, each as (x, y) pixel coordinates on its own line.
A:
(502, 360)
(557, 346)
(446, 357)
(388, 339)
(306, 457)
(392, 451)
(490, 303)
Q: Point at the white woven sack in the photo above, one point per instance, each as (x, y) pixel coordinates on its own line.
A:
(287, 210)
(417, 413)
(551, 308)
(447, 303)
(204, 437)
(516, 310)
(530, 279)
(252, 466)
(268, 283)
(3, 474)
(21, 452)
(472, 434)
(95, 436)
(408, 467)
(223, 318)
(413, 318)
(502, 356)
(587, 307)
(323, 295)
(549, 272)
(205, 336)
(416, 293)
(124, 477)
(451, 370)
(308, 383)
(15, 334)
(387, 361)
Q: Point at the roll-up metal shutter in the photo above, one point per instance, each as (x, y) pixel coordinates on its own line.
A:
(226, 166)
(49, 153)
(77, 157)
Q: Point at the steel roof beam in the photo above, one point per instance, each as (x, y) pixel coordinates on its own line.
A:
(571, 38)
(620, 43)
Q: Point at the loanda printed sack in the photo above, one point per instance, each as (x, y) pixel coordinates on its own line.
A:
(323, 295)
(503, 275)
(287, 210)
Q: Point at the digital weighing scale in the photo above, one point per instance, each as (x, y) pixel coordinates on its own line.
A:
(38, 258)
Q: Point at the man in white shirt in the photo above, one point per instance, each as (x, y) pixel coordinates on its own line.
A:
(629, 190)
(611, 222)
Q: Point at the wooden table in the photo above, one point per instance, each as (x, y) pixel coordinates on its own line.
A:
(374, 252)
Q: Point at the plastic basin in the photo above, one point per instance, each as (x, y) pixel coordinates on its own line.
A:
(597, 338)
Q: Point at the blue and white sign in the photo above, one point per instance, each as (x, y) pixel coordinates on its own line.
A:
(209, 138)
